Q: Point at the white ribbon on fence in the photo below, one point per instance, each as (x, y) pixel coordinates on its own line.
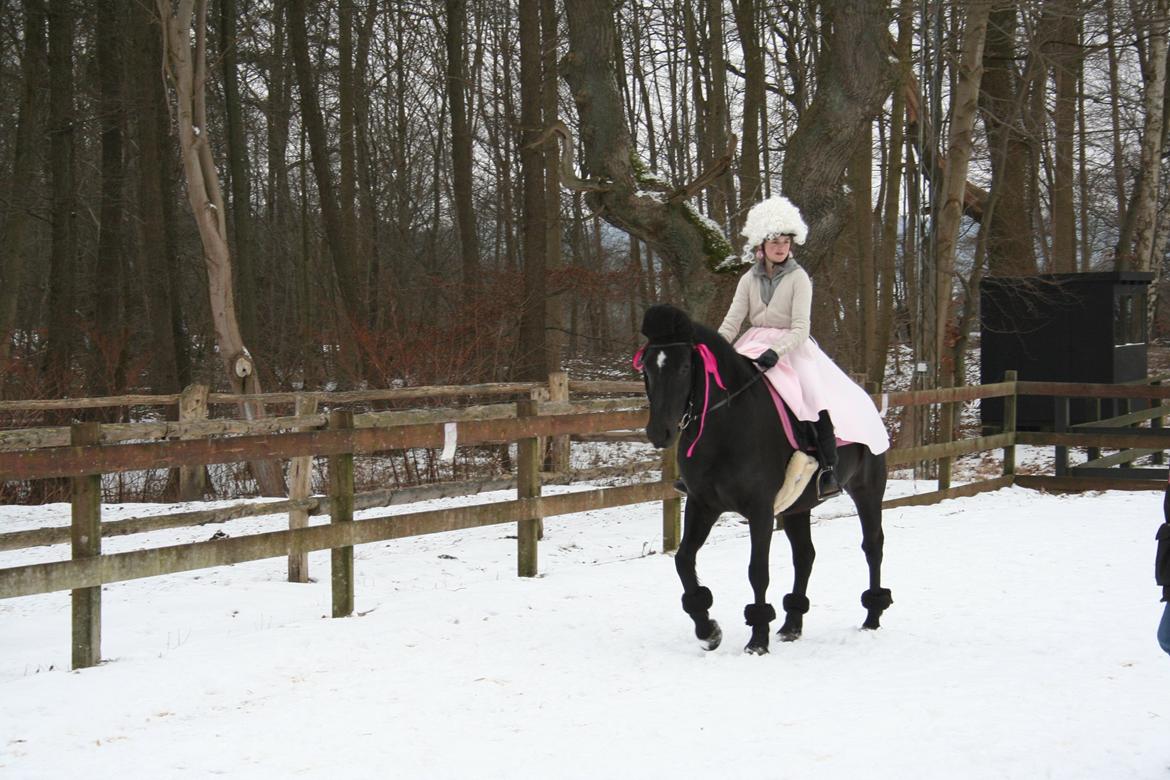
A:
(450, 435)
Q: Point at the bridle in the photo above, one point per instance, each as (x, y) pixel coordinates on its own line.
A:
(710, 368)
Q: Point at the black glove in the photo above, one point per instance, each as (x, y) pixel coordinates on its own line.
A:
(767, 359)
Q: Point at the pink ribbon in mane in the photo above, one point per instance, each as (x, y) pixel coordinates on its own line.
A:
(710, 367)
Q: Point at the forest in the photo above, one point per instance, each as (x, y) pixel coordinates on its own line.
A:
(315, 194)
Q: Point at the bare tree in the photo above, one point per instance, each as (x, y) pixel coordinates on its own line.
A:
(187, 69)
(1143, 212)
(62, 260)
(30, 119)
(237, 154)
(1066, 57)
(964, 109)
(456, 23)
(109, 332)
(617, 190)
(854, 80)
(531, 358)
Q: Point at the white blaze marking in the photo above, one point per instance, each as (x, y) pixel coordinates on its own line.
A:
(661, 358)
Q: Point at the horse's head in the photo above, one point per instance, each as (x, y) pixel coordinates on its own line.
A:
(667, 365)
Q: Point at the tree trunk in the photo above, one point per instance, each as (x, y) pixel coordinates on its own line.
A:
(347, 157)
(1065, 58)
(29, 123)
(110, 334)
(887, 251)
(754, 99)
(461, 158)
(553, 261)
(856, 75)
(861, 186)
(1115, 111)
(155, 250)
(1139, 256)
(1010, 246)
(57, 369)
(367, 241)
(719, 128)
(964, 109)
(187, 68)
(344, 265)
(691, 246)
(531, 357)
(247, 290)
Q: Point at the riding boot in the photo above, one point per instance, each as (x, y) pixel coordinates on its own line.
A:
(827, 485)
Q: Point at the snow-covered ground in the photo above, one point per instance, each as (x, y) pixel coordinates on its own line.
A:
(1020, 644)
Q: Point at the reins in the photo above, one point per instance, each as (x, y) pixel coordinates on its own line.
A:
(710, 368)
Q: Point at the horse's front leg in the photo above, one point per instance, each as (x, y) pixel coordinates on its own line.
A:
(760, 614)
(796, 527)
(697, 599)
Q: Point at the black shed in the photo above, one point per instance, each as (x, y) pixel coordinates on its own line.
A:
(1086, 327)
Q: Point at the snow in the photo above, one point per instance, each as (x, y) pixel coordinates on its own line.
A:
(1020, 645)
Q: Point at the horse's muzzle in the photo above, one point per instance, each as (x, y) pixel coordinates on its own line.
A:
(661, 436)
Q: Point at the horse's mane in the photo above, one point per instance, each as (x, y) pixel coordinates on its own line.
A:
(664, 324)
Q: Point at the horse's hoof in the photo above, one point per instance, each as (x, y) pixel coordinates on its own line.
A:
(788, 636)
(712, 640)
(755, 649)
(871, 624)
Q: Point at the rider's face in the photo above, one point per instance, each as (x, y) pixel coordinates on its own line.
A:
(776, 249)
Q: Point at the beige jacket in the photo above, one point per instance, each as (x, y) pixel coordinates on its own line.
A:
(789, 309)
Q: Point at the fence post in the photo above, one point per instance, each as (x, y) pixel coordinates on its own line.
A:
(1009, 423)
(671, 507)
(538, 395)
(558, 390)
(527, 486)
(192, 408)
(1156, 422)
(300, 487)
(1060, 425)
(1095, 410)
(86, 536)
(946, 433)
(341, 511)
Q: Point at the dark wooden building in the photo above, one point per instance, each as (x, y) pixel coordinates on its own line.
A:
(1086, 327)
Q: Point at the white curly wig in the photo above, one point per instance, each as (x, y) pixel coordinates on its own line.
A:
(776, 216)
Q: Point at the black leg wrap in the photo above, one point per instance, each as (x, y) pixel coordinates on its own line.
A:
(796, 604)
(877, 598)
(699, 601)
(759, 614)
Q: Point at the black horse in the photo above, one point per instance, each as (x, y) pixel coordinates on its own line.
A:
(733, 457)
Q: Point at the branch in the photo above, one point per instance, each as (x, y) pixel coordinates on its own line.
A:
(568, 175)
(717, 169)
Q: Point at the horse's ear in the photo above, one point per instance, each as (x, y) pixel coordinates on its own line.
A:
(663, 322)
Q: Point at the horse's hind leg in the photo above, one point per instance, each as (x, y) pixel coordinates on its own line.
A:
(697, 599)
(796, 527)
(875, 599)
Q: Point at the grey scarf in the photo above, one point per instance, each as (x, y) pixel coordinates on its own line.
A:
(768, 284)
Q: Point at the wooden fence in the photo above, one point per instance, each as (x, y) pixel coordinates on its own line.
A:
(93, 450)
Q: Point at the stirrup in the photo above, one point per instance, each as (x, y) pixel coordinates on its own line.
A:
(827, 484)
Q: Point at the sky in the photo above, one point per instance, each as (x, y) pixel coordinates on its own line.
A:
(1021, 643)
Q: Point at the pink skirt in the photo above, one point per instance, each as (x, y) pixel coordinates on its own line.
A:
(809, 381)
